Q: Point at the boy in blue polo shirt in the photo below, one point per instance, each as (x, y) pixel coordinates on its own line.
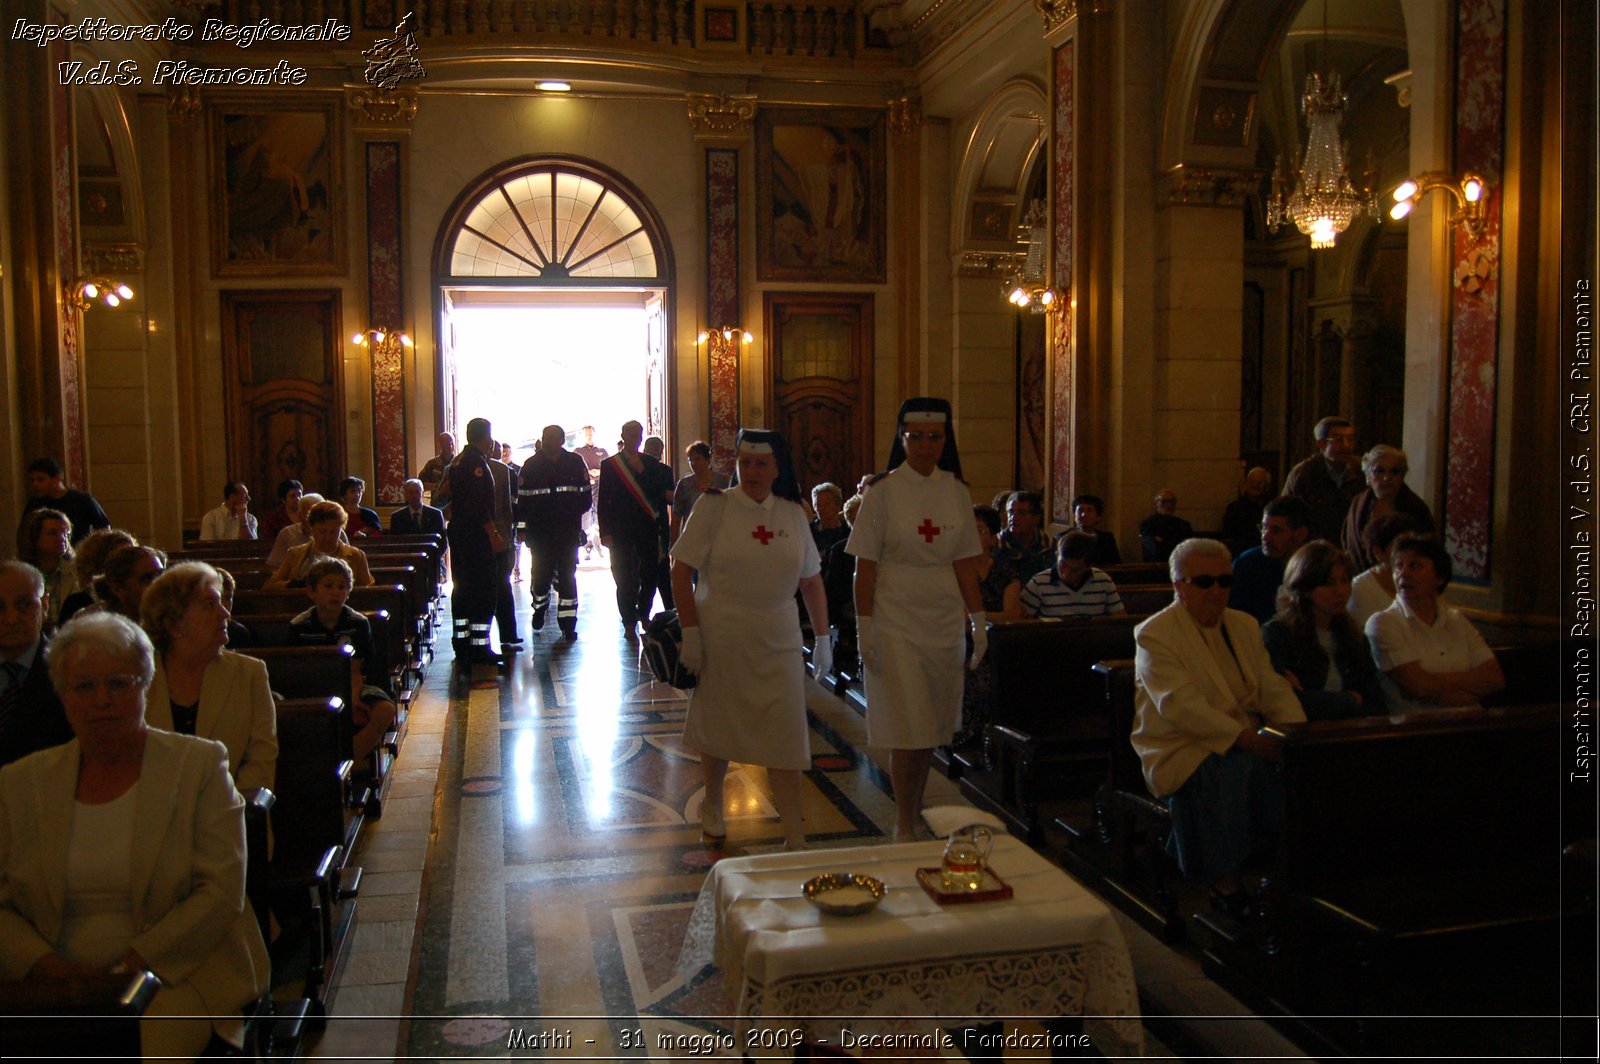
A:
(330, 622)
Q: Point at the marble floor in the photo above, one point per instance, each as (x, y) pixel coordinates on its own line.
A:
(540, 851)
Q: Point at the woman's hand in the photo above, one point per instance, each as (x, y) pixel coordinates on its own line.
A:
(691, 654)
(822, 655)
(980, 638)
(867, 643)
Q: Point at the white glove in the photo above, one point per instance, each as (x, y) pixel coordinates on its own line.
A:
(822, 655)
(866, 643)
(691, 655)
(980, 637)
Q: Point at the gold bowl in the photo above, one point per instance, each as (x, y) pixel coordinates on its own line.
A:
(844, 893)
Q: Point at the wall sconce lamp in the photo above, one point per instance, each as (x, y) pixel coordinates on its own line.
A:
(380, 336)
(1026, 288)
(1467, 195)
(83, 291)
(725, 335)
(1041, 298)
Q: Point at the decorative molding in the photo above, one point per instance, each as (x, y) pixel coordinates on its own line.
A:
(1056, 13)
(1199, 187)
(905, 116)
(111, 258)
(387, 109)
(721, 115)
(996, 264)
(183, 104)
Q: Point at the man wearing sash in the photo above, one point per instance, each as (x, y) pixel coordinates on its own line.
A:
(628, 529)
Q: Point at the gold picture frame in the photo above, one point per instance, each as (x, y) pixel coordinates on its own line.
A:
(821, 203)
(277, 179)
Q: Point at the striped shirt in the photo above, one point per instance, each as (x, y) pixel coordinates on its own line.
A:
(1047, 595)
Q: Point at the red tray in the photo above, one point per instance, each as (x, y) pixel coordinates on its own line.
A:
(995, 888)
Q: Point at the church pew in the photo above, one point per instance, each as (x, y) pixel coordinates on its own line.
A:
(1129, 573)
(390, 597)
(272, 630)
(1418, 874)
(76, 1017)
(1047, 734)
(315, 829)
(1120, 842)
(325, 672)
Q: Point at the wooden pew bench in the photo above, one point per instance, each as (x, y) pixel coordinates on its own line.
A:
(331, 672)
(1047, 736)
(316, 822)
(1419, 873)
(388, 644)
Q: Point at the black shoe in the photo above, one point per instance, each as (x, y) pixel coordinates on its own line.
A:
(630, 631)
(510, 646)
(1235, 903)
(536, 621)
(569, 634)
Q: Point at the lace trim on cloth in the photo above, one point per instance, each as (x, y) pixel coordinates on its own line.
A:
(1087, 979)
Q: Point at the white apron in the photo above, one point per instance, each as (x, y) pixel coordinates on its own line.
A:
(916, 528)
(750, 703)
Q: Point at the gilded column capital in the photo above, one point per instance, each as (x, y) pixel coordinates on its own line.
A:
(111, 258)
(386, 109)
(1195, 186)
(996, 264)
(1056, 13)
(905, 115)
(183, 103)
(717, 116)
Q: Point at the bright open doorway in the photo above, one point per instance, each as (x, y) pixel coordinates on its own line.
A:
(527, 358)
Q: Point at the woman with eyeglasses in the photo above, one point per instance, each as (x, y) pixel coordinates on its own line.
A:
(129, 571)
(1204, 685)
(1313, 642)
(751, 549)
(123, 850)
(916, 548)
(1385, 468)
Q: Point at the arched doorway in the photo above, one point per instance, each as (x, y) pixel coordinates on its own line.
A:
(552, 280)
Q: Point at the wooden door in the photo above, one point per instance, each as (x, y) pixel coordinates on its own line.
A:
(284, 389)
(820, 383)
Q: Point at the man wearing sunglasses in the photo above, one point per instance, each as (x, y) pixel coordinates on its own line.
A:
(1203, 686)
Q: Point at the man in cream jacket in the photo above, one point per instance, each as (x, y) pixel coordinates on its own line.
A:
(1204, 685)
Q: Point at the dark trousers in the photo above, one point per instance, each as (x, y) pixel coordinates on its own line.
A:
(558, 564)
(472, 597)
(633, 567)
(505, 605)
(663, 579)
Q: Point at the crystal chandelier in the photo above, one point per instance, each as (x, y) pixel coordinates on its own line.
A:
(1324, 202)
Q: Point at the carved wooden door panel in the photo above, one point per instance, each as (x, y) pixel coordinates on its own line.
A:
(820, 383)
(284, 389)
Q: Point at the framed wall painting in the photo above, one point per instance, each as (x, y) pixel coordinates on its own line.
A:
(276, 181)
(821, 212)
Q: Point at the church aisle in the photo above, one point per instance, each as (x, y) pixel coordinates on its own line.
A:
(540, 853)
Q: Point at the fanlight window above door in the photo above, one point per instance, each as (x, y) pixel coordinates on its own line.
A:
(551, 224)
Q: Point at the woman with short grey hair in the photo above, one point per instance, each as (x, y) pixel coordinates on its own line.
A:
(1385, 468)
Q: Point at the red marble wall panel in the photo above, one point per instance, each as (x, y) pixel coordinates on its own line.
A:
(386, 303)
(1475, 297)
(722, 300)
(1062, 176)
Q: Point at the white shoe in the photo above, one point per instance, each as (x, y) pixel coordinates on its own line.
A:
(711, 823)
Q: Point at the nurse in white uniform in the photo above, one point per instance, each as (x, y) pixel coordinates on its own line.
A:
(751, 547)
(916, 549)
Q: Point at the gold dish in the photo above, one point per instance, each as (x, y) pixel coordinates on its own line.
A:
(844, 893)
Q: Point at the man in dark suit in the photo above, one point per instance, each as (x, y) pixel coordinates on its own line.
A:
(416, 517)
(31, 717)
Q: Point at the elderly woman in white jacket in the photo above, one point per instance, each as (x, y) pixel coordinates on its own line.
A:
(124, 849)
(1204, 686)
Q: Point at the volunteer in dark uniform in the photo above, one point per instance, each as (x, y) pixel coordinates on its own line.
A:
(555, 494)
(628, 529)
(474, 542)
